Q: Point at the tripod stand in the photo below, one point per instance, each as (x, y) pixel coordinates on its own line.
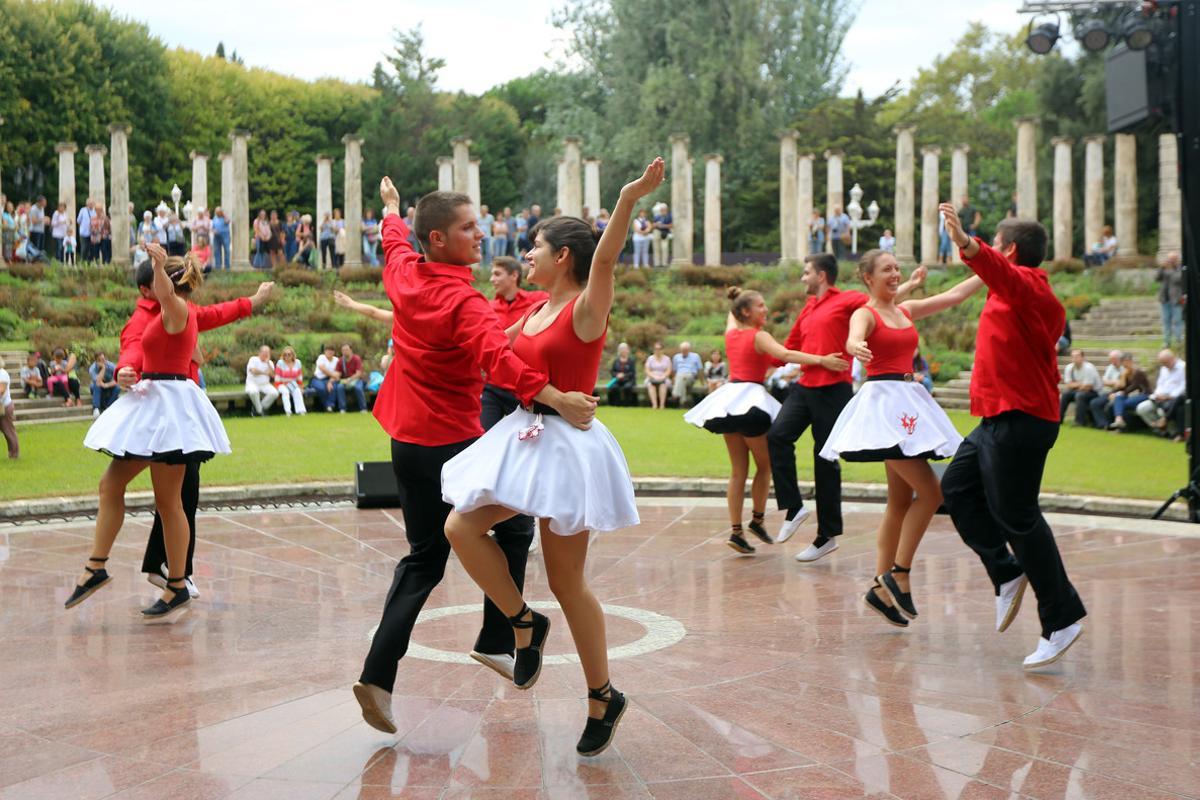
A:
(1191, 493)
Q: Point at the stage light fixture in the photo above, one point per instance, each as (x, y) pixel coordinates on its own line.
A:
(1137, 32)
(1094, 35)
(1041, 39)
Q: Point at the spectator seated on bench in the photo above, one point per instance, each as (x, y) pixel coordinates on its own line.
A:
(685, 368)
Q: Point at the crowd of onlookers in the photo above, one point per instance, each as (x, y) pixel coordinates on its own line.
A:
(333, 378)
(30, 232)
(1112, 400)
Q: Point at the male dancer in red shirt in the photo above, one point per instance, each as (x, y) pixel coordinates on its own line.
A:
(444, 332)
(129, 370)
(991, 488)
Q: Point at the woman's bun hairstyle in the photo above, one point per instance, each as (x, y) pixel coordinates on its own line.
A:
(732, 292)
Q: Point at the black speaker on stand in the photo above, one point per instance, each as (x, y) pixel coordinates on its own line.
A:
(375, 485)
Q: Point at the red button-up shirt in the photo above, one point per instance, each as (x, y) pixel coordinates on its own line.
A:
(207, 318)
(1016, 347)
(444, 332)
(510, 312)
(821, 329)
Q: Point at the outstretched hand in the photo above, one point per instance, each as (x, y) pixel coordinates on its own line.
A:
(342, 299)
(954, 226)
(917, 277)
(388, 192)
(862, 353)
(158, 255)
(834, 362)
(262, 295)
(650, 180)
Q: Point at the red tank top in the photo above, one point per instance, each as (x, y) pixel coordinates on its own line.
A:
(166, 352)
(746, 363)
(571, 363)
(891, 348)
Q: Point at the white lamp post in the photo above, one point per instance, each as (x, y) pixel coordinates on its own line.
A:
(855, 211)
(187, 221)
(176, 193)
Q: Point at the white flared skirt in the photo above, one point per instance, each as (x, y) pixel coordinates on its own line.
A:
(735, 407)
(891, 419)
(578, 480)
(160, 420)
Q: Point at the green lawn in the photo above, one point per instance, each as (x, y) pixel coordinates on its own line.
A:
(657, 443)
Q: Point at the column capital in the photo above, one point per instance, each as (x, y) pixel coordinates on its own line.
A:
(96, 148)
(66, 147)
(223, 156)
(443, 160)
(240, 133)
(907, 127)
(717, 157)
(474, 161)
(1094, 138)
(197, 154)
(809, 155)
(319, 159)
(465, 141)
(680, 138)
(595, 161)
(931, 150)
(1057, 140)
(834, 153)
(789, 134)
(962, 148)
(572, 139)
(352, 138)
(120, 127)
(1026, 120)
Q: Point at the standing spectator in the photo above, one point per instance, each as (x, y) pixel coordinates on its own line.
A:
(33, 376)
(969, 216)
(176, 239)
(7, 425)
(161, 220)
(523, 224)
(351, 368)
(1171, 299)
(202, 251)
(62, 380)
(326, 237)
(658, 372)
(920, 370)
(370, 235)
(664, 223)
(716, 371)
(339, 238)
(816, 233)
(499, 234)
(8, 232)
(291, 240)
(643, 232)
(101, 236)
(289, 381)
(1081, 384)
(624, 378)
(220, 239)
(887, 242)
(1064, 341)
(326, 381)
(275, 243)
(511, 243)
(944, 250)
(37, 223)
(58, 229)
(1169, 400)
(1132, 391)
(260, 372)
(685, 367)
(104, 384)
(262, 240)
(83, 224)
(839, 233)
(1102, 250)
(69, 246)
(485, 221)
(202, 225)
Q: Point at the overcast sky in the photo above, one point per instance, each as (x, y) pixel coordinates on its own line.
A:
(485, 43)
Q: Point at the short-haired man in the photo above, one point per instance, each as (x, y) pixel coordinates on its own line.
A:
(260, 382)
(327, 380)
(37, 223)
(351, 368)
(1110, 381)
(663, 224)
(1167, 404)
(1081, 384)
(445, 335)
(991, 488)
(685, 367)
(104, 384)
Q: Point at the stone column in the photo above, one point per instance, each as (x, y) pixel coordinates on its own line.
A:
(1125, 193)
(958, 184)
(690, 190)
(560, 185)
(462, 162)
(445, 165)
(1027, 207)
(324, 191)
(591, 185)
(96, 154)
(239, 213)
(789, 236)
(352, 210)
(473, 190)
(572, 167)
(1063, 223)
(905, 195)
(1093, 189)
(712, 209)
(199, 181)
(118, 212)
(66, 175)
(226, 160)
(835, 195)
(929, 204)
(1170, 201)
(804, 199)
(681, 201)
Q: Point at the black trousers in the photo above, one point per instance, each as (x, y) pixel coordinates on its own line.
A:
(514, 536)
(818, 408)
(1083, 399)
(991, 490)
(156, 550)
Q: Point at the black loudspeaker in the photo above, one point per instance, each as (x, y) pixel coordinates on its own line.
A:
(375, 485)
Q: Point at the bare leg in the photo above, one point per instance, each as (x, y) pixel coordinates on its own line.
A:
(899, 498)
(739, 463)
(484, 561)
(110, 514)
(168, 498)
(921, 478)
(565, 557)
(762, 471)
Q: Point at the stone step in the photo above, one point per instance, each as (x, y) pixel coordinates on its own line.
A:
(1150, 334)
(27, 423)
(22, 402)
(56, 414)
(958, 383)
(958, 404)
(950, 392)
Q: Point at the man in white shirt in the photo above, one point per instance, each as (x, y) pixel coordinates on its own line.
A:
(7, 426)
(1080, 383)
(1109, 382)
(326, 381)
(1169, 400)
(259, 386)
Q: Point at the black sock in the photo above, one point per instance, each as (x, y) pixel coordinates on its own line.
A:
(791, 513)
(820, 541)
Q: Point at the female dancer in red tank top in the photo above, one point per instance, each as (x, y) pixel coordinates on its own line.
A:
(894, 419)
(742, 410)
(572, 480)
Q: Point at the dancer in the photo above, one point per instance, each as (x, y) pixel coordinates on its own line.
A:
(992, 485)
(742, 410)
(164, 423)
(445, 334)
(895, 420)
(129, 368)
(532, 463)
(817, 399)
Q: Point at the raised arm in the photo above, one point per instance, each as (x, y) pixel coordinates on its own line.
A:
(371, 312)
(927, 307)
(766, 343)
(595, 302)
(731, 322)
(1001, 277)
(916, 279)
(396, 246)
(862, 322)
(174, 308)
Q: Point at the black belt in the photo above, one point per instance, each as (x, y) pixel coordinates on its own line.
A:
(744, 380)
(907, 377)
(163, 376)
(542, 408)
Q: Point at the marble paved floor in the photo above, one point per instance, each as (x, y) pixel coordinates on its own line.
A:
(783, 685)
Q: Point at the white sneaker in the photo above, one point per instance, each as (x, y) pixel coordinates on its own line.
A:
(95, 413)
(376, 706)
(502, 664)
(1052, 649)
(193, 592)
(1008, 602)
(536, 544)
(813, 553)
(790, 526)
